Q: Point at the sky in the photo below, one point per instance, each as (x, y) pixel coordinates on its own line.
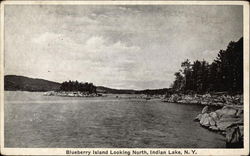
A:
(119, 46)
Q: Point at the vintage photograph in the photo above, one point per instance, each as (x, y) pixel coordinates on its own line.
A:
(123, 76)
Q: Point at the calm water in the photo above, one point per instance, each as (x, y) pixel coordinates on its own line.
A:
(34, 120)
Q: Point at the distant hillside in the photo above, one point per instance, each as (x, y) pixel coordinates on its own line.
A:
(154, 91)
(102, 89)
(22, 83)
(14, 82)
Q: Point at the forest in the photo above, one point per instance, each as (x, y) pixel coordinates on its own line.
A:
(224, 74)
(78, 86)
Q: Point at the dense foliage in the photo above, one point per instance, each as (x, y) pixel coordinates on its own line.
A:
(78, 86)
(153, 91)
(224, 74)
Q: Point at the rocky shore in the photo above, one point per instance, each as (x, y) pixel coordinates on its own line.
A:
(71, 94)
(228, 121)
(206, 99)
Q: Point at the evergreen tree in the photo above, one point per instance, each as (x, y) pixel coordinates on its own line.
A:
(225, 73)
(78, 86)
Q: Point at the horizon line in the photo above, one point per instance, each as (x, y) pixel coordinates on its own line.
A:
(91, 82)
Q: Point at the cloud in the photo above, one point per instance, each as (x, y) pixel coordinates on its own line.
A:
(137, 46)
(55, 45)
(98, 54)
(102, 48)
(49, 37)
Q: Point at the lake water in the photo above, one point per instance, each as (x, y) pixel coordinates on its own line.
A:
(34, 120)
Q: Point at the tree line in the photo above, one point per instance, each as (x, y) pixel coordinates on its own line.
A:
(224, 74)
(162, 91)
(78, 86)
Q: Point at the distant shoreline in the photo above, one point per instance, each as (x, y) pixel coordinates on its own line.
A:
(22, 83)
(71, 94)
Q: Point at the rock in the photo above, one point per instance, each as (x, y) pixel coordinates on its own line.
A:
(50, 93)
(204, 103)
(233, 136)
(214, 116)
(219, 104)
(211, 121)
(206, 99)
(217, 100)
(174, 98)
(227, 121)
(194, 102)
(239, 112)
(205, 120)
(219, 113)
(188, 97)
(238, 106)
(229, 111)
(198, 118)
(214, 128)
(182, 101)
(241, 131)
(206, 96)
(204, 110)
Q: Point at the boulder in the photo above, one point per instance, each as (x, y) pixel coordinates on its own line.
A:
(241, 130)
(214, 116)
(204, 103)
(174, 98)
(204, 110)
(206, 96)
(188, 97)
(182, 101)
(205, 120)
(194, 101)
(217, 100)
(238, 106)
(219, 104)
(211, 121)
(229, 111)
(223, 125)
(219, 113)
(198, 117)
(233, 136)
(214, 128)
(226, 121)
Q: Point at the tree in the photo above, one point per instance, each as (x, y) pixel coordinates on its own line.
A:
(76, 86)
(225, 73)
(186, 68)
(179, 82)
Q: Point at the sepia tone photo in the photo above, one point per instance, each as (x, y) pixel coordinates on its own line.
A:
(117, 75)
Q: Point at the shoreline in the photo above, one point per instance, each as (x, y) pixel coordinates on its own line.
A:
(227, 119)
(205, 99)
(71, 94)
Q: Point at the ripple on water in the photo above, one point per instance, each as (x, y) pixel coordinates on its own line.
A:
(33, 120)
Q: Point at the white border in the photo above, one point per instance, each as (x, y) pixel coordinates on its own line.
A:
(135, 2)
(200, 151)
